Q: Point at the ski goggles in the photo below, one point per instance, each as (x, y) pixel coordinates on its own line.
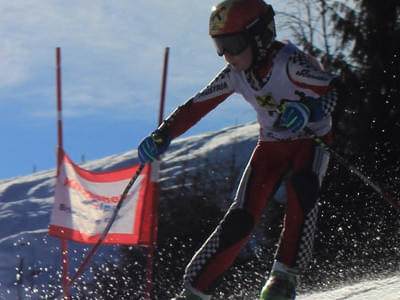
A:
(232, 44)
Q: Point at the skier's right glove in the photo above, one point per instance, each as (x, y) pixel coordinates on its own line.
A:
(153, 146)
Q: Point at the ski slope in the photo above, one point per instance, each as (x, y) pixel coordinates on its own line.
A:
(29, 258)
(381, 289)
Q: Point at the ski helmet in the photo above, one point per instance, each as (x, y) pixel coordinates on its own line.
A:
(236, 24)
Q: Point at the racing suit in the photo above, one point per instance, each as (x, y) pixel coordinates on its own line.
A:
(287, 74)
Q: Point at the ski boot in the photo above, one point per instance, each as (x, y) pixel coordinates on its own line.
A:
(279, 286)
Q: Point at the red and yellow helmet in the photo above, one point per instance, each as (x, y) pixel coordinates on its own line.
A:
(232, 16)
(235, 24)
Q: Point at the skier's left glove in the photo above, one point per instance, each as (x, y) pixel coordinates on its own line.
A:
(153, 146)
(296, 115)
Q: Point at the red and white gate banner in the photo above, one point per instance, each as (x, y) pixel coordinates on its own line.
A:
(85, 202)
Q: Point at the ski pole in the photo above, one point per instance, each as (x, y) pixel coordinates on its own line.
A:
(353, 169)
(108, 227)
(344, 162)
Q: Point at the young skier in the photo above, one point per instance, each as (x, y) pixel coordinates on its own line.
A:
(289, 90)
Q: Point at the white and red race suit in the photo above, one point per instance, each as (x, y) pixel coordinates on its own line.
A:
(288, 73)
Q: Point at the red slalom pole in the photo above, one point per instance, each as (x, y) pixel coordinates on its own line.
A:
(59, 105)
(155, 168)
(64, 244)
(163, 87)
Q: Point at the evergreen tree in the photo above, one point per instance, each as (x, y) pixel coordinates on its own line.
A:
(360, 44)
(373, 31)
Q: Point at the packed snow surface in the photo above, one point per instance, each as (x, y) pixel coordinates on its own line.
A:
(381, 289)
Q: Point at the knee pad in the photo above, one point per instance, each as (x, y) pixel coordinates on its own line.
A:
(306, 186)
(236, 225)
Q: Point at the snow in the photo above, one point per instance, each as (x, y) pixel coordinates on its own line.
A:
(384, 289)
(29, 257)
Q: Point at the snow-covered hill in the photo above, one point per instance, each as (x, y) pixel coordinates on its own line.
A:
(381, 289)
(30, 259)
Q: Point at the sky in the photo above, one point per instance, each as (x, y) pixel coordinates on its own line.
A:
(112, 59)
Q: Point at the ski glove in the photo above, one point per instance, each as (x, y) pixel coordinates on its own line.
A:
(153, 146)
(295, 115)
